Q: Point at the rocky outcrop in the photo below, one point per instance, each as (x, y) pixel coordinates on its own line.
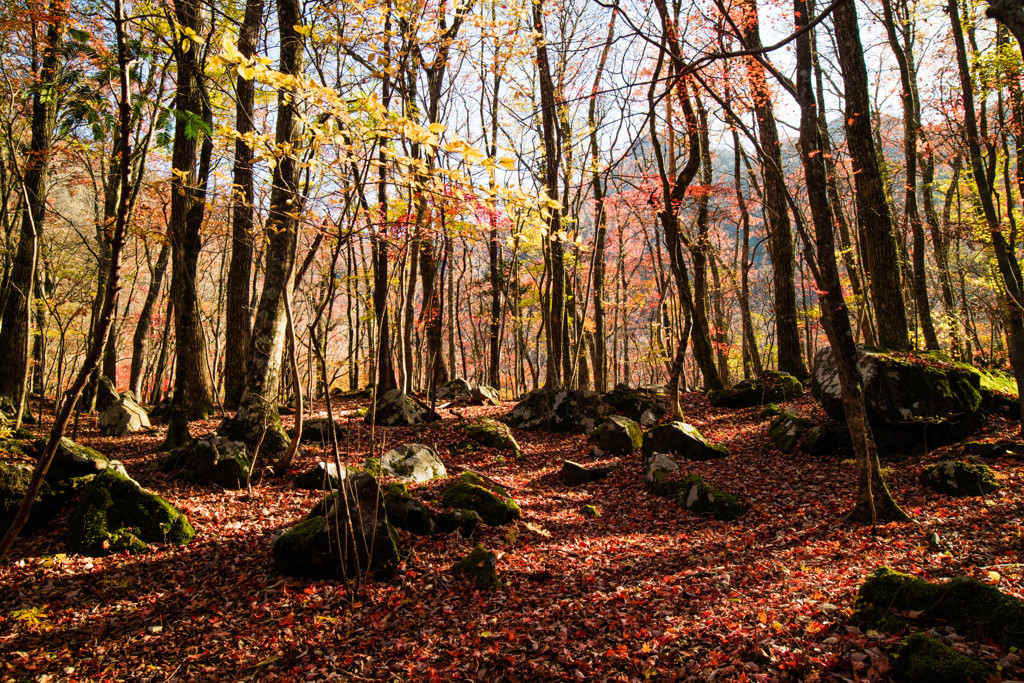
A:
(318, 431)
(575, 474)
(910, 400)
(72, 460)
(658, 471)
(106, 394)
(681, 440)
(492, 502)
(412, 462)
(562, 410)
(618, 435)
(323, 476)
(124, 417)
(53, 496)
(787, 429)
(342, 536)
(701, 498)
(395, 408)
(116, 515)
(493, 434)
(210, 459)
(770, 387)
(640, 405)
(959, 478)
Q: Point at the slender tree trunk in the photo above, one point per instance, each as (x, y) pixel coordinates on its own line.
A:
(873, 213)
(141, 335)
(238, 322)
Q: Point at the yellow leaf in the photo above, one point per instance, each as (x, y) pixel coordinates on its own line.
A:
(994, 577)
(507, 163)
(437, 128)
(303, 30)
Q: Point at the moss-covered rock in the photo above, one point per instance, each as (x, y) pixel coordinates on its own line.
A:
(770, 387)
(681, 440)
(412, 462)
(406, 512)
(210, 459)
(561, 410)
(618, 435)
(318, 431)
(52, 497)
(770, 410)
(463, 521)
(268, 433)
(351, 535)
(72, 459)
(919, 658)
(828, 438)
(786, 430)
(658, 471)
(591, 512)
(702, 498)
(482, 566)
(323, 476)
(910, 399)
(395, 408)
(13, 446)
(115, 514)
(641, 405)
(975, 609)
(493, 503)
(493, 434)
(1005, 448)
(960, 478)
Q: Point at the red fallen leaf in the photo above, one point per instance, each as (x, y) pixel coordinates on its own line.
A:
(288, 620)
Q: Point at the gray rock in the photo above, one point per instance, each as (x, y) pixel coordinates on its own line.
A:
(106, 394)
(318, 431)
(959, 478)
(640, 405)
(454, 390)
(909, 402)
(210, 459)
(72, 460)
(563, 410)
(787, 429)
(617, 435)
(412, 462)
(575, 474)
(484, 395)
(701, 498)
(656, 467)
(123, 418)
(395, 408)
(53, 496)
(493, 434)
(314, 547)
(321, 477)
(770, 387)
(681, 440)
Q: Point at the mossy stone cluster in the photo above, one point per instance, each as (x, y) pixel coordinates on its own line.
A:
(115, 514)
(492, 502)
(493, 434)
(960, 478)
(481, 565)
(701, 498)
(786, 430)
(920, 658)
(975, 609)
(771, 387)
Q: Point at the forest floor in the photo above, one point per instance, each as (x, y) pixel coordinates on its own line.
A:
(645, 591)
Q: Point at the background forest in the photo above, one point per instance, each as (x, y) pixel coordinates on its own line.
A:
(230, 212)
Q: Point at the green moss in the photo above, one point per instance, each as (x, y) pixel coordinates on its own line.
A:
(114, 505)
(786, 430)
(701, 498)
(372, 465)
(481, 566)
(493, 434)
(923, 659)
(491, 502)
(959, 478)
(770, 410)
(973, 608)
(591, 511)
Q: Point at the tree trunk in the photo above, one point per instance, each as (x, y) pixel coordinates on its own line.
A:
(873, 215)
(238, 322)
(257, 420)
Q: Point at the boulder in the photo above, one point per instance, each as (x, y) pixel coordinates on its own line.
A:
(562, 410)
(617, 435)
(920, 658)
(463, 521)
(406, 512)
(72, 460)
(640, 405)
(657, 468)
(829, 438)
(681, 440)
(412, 462)
(106, 394)
(959, 478)
(123, 418)
(318, 431)
(484, 395)
(1006, 448)
(492, 502)
(343, 539)
(210, 459)
(787, 429)
(575, 474)
(481, 566)
(975, 609)
(770, 387)
(910, 400)
(117, 515)
(323, 476)
(53, 496)
(493, 434)
(18, 447)
(702, 498)
(454, 390)
(395, 408)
